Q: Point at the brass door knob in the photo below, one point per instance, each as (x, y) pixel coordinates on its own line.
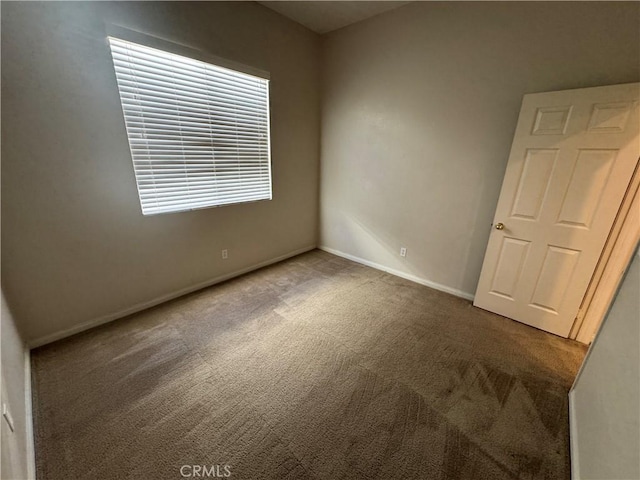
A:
(499, 226)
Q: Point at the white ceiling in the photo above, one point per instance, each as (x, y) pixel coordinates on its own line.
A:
(323, 17)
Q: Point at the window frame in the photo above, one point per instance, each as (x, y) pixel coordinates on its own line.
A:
(149, 41)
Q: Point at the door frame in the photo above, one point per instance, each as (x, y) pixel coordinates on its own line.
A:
(616, 255)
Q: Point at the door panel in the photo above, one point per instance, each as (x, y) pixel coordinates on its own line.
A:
(588, 179)
(558, 263)
(571, 160)
(512, 256)
(551, 120)
(534, 183)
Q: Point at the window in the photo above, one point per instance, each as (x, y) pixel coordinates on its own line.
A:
(198, 133)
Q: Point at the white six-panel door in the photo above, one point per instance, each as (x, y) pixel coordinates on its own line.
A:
(572, 157)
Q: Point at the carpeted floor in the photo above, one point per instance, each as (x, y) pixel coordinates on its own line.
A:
(316, 367)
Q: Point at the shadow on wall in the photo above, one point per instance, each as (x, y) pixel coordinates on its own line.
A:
(371, 239)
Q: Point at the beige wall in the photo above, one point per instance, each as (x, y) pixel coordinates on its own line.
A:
(75, 246)
(605, 418)
(419, 108)
(16, 460)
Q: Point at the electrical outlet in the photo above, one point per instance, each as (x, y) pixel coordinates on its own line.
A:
(225, 254)
(7, 416)
(403, 252)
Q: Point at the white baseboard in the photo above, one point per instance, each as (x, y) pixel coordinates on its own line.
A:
(31, 452)
(38, 342)
(573, 439)
(398, 273)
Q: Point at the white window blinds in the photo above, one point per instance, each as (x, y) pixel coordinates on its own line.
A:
(198, 133)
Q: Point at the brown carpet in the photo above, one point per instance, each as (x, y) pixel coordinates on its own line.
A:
(316, 367)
